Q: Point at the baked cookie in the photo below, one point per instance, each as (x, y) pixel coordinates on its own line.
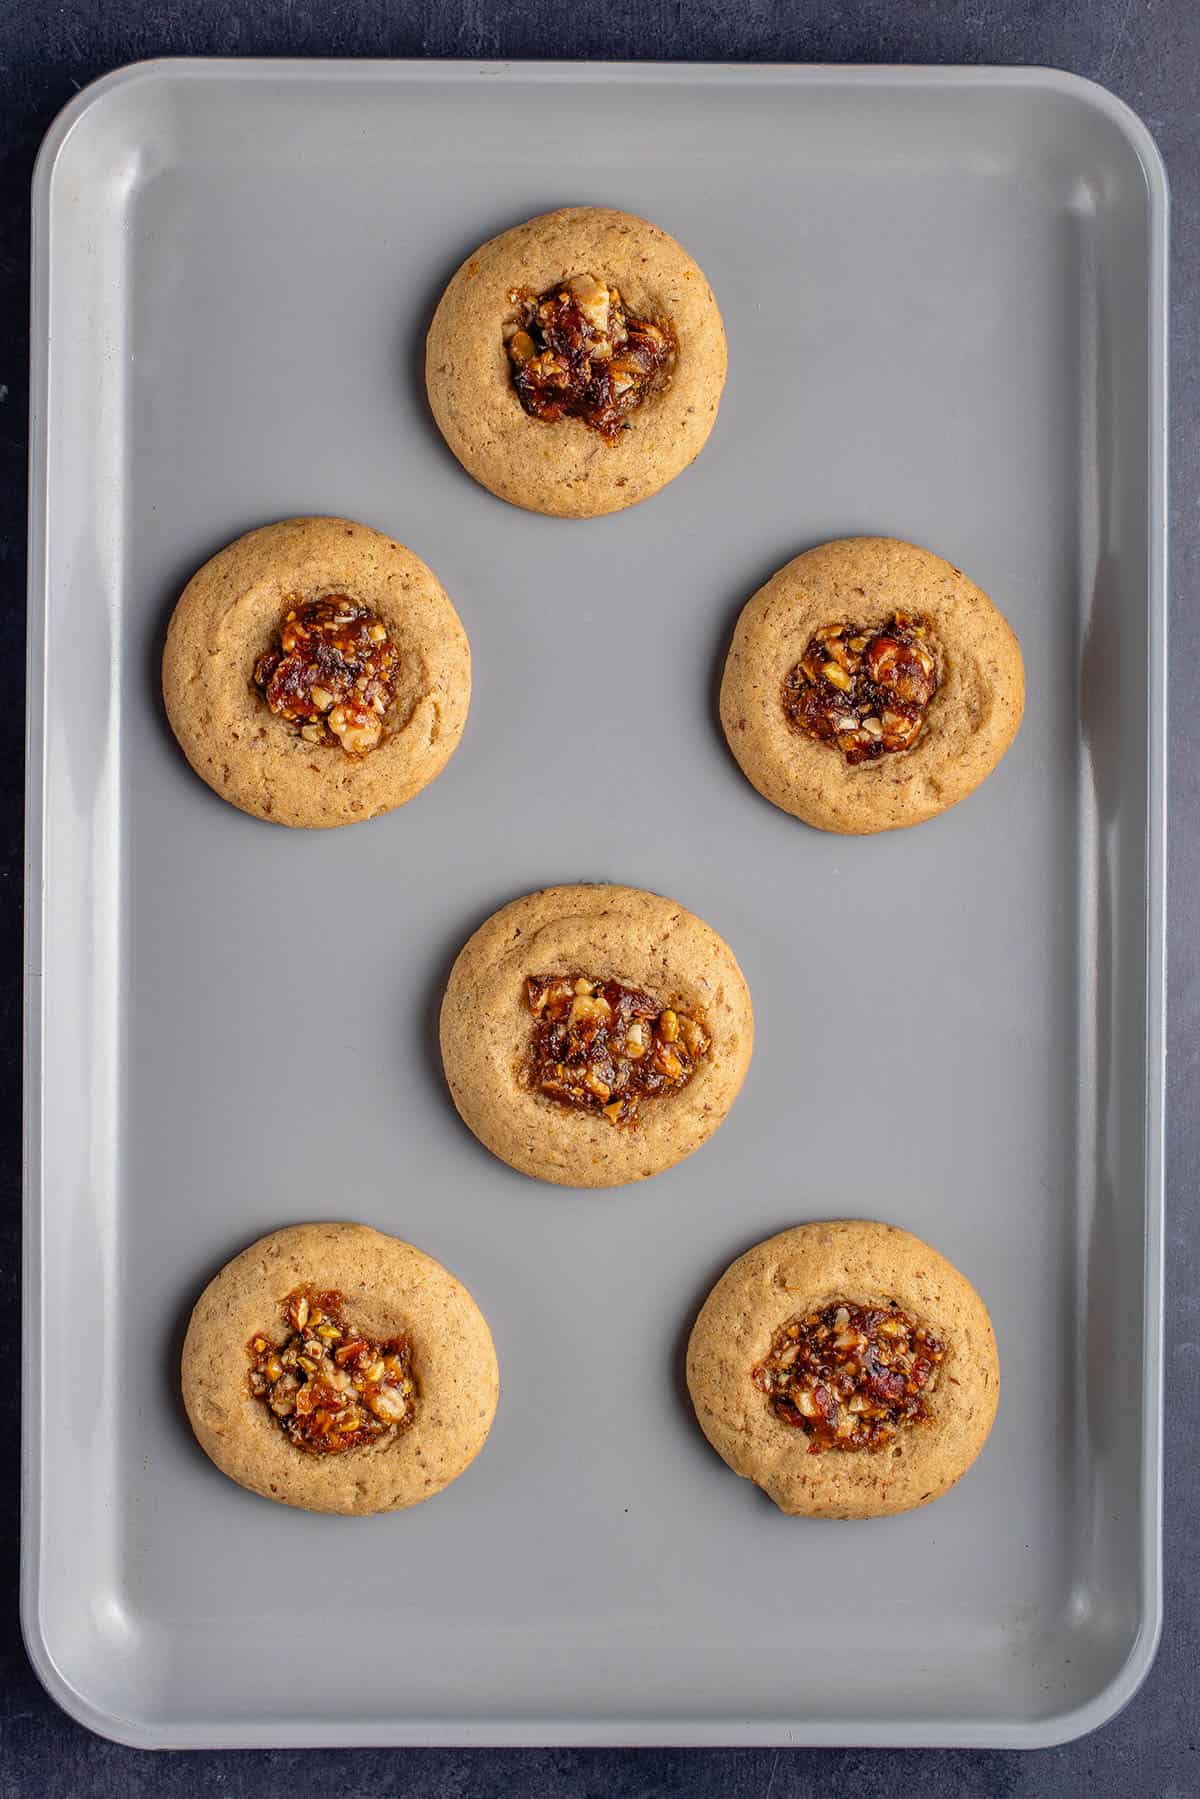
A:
(847, 1369)
(575, 363)
(595, 1035)
(315, 673)
(338, 1370)
(870, 685)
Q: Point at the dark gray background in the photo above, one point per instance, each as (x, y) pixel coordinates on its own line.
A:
(1148, 51)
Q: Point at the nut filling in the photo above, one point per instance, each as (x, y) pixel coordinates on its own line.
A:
(606, 1047)
(851, 1377)
(577, 353)
(333, 673)
(330, 1388)
(864, 692)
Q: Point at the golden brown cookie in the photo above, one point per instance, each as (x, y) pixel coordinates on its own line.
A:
(339, 1370)
(315, 673)
(870, 685)
(595, 1035)
(861, 1304)
(575, 363)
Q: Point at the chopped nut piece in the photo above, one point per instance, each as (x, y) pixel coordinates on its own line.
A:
(357, 1393)
(388, 1403)
(600, 1045)
(593, 300)
(357, 733)
(576, 352)
(333, 675)
(864, 693)
(851, 1377)
(585, 1010)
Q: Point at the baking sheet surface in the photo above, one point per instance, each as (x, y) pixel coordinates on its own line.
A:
(943, 294)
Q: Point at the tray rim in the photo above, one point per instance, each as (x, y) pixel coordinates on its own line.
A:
(525, 1731)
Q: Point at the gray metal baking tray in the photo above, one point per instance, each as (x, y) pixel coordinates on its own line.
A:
(944, 291)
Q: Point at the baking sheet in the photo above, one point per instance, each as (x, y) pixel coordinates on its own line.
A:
(944, 292)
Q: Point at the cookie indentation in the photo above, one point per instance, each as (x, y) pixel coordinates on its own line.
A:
(577, 352)
(606, 1047)
(864, 692)
(330, 1387)
(851, 1377)
(333, 673)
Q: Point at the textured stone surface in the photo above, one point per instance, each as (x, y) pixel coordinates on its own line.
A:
(1147, 51)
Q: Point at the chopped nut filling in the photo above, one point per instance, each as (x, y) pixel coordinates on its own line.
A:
(333, 673)
(330, 1387)
(863, 692)
(851, 1377)
(577, 353)
(607, 1047)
